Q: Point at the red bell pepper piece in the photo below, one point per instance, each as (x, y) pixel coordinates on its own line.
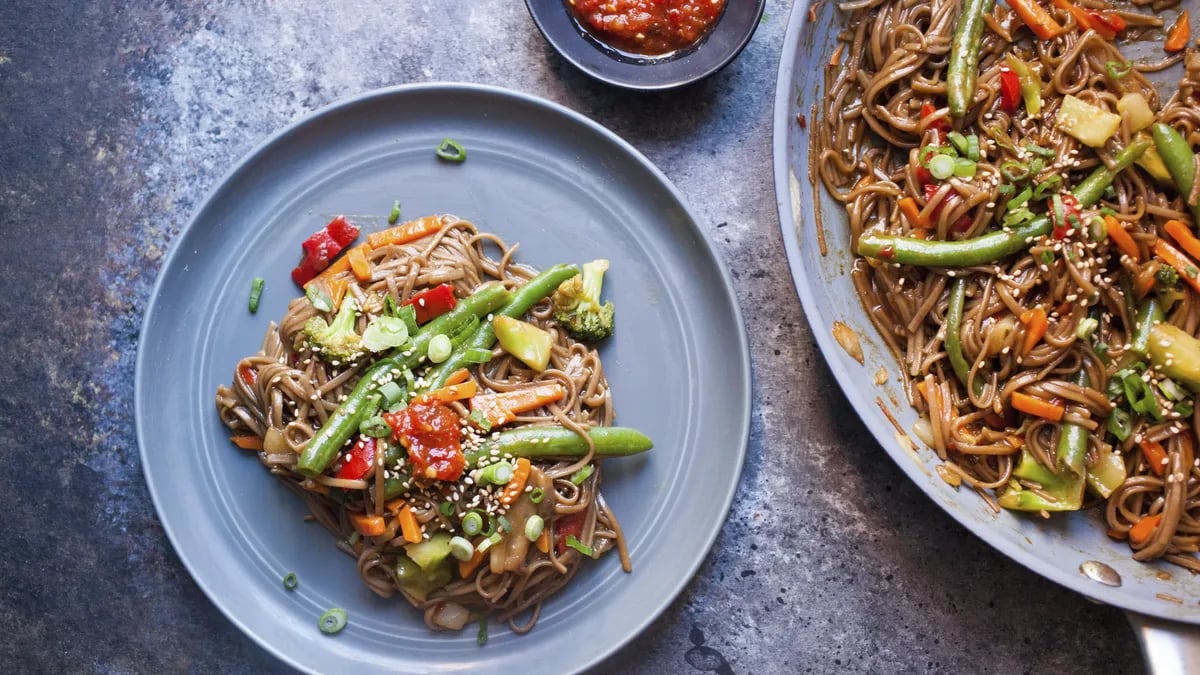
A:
(322, 247)
(940, 124)
(959, 225)
(1107, 24)
(568, 525)
(1010, 90)
(248, 375)
(362, 453)
(433, 303)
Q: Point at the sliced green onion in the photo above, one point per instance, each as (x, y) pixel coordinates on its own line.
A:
(1051, 183)
(480, 420)
(353, 536)
(491, 528)
(481, 637)
(476, 355)
(319, 298)
(1059, 211)
(496, 474)
(489, 542)
(1171, 390)
(375, 427)
(1105, 211)
(440, 348)
(1022, 197)
(1117, 69)
(537, 495)
(533, 527)
(1184, 408)
(290, 581)
(451, 150)
(1047, 257)
(461, 548)
(333, 620)
(1018, 216)
(1006, 189)
(391, 392)
(973, 148)
(505, 523)
(1086, 327)
(1098, 230)
(408, 315)
(964, 168)
(1119, 424)
(446, 508)
(958, 141)
(1039, 150)
(472, 524)
(1014, 171)
(583, 474)
(384, 333)
(578, 545)
(941, 166)
(395, 214)
(409, 379)
(256, 288)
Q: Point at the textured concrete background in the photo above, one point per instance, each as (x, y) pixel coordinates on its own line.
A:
(116, 118)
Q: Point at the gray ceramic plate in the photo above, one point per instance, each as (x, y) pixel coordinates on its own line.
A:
(538, 174)
(1056, 548)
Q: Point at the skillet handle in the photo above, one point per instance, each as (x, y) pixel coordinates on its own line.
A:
(1168, 647)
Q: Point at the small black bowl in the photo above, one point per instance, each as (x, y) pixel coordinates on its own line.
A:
(720, 45)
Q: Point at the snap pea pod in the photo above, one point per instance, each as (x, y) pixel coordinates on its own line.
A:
(344, 421)
(993, 246)
(965, 48)
(1073, 439)
(954, 315)
(1060, 492)
(1150, 313)
(560, 442)
(523, 299)
(1180, 161)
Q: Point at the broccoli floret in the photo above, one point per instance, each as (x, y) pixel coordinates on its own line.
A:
(577, 304)
(338, 341)
(1167, 277)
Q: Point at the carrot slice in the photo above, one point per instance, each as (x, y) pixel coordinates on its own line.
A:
(1187, 269)
(1179, 34)
(1183, 236)
(368, 526)
(1120, 237)
(1039, 20)
(503, 407)
(453, 392)
(247, 442)
(1155, 455)
(516, 484)
(337, 291)
(543, 541)
(359, 263)
(1144, 528)
(1032, 405)
(409, 527)
(1035, 327)
(467, 567)
(1081, 17)
(912, 213)
(459, 376)
(342, 264)
(405, 232)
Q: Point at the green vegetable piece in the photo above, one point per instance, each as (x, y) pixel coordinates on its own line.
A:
(556, 442)
(495, 474)
(1175, 152)
(954, 315)
(528, 343)
(472, 524)
(431, 552)
(394, 216)
(461, 549)
(583, 474)
(534, 525)
(579, 546)
(375, 427)
(481, 637)
(1064, 493)
(419, 582)
(440, 348)
(1073, 439)
(337, 341)
(332, 621)
(291, 581)
(965, 48)
(256, 289)
(384, 333)
(1107, 474)
(1149, 314)
(451, 150)
(1175, 353)
(577, 305)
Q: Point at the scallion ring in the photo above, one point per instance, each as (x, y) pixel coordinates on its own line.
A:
(395, 214)
(583, 474)
(291, 581)
(1014, 171)
(461, 549)
(941, 166)
(533, 527)
(472, 524)
(537, 495)
(440, 348)
(333, 620)
(256, 289)
(446, 508)
(451, 150)
(1118, 69)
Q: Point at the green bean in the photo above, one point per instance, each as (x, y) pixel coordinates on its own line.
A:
(1073, 439)
(954, 315)
(559, 442)
(965, 47)
(344, 421)
(1148, 314)
(523, 299)
(1181, 163)
(993, 246)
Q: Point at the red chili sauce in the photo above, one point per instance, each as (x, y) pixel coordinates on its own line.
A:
(431, 432)
(650, 27)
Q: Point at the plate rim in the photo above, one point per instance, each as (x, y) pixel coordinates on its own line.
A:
(332, 109)
(1120, 597)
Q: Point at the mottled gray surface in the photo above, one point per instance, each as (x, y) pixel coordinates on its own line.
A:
(116, 118)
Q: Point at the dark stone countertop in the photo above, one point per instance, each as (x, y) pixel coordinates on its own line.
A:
(118, 117)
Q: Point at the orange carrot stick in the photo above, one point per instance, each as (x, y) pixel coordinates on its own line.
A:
(359, 264)
(912, 213)
(1179, 34)
(1187, 269)
(503, 407)
(516, 484)
(1183, 236)
(1144, 528)
(405, 232)
(1035, 327)
(1039, 20)
(247, 442)
(342, 264)
(1032, 405)
(453, 392)
(543, 541)
(1155, 455)
(1116, 232)
(337, 291)
(467, 567)
(459, 376)
(368, 526)
(409, 527)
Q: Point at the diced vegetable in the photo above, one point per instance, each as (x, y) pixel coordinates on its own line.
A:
(1010, 90)
(1136, 111)
(1091, 125)
(1032, 405)
(1107, 474)
(1116, 232)
(1176, 354)
(525, 341)
(432, 303)
(362, 456)
(1153, 163)
(912, 213)
(384, 333)
(502, 408)
(368, 526)
(1182, 264)
(1063, 492)
(406, 232)
(1031, 82)
(430, 552)
(1035, 327)
(1156, 456)
(322, 247)
(1144, 528)
(1179, 33)
(332, 620)
(1039, 20)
